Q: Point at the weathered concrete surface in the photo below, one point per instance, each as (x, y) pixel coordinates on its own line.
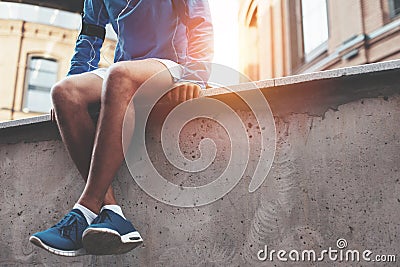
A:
(336, 175)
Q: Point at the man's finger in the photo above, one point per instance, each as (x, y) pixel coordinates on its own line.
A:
(189, 93)
(169, 95)
(196, 91)
(175, 94)
(182, 93)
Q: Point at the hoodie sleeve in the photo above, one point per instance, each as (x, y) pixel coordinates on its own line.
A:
(87, 49)
(196, 16)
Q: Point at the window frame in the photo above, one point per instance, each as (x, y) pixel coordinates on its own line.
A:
(393, 13)
(320, 49)
(30, 57)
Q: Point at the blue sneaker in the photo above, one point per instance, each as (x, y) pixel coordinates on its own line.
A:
(110, 234)
(64, 238)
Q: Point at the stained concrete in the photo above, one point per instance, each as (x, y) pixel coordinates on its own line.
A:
(336, 174)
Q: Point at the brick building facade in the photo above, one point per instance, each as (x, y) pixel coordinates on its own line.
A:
(287, 37)
(34, 56)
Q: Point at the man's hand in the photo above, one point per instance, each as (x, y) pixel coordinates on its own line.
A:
(184, 91)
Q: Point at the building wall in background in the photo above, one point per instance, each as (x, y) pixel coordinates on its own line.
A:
(20, 41)
(272, 34)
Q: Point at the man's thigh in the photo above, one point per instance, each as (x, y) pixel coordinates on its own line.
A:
(150, 79)
(147, 68)
(140, 71)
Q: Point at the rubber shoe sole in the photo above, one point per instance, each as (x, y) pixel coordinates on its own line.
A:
(105, 241)
(67, 253)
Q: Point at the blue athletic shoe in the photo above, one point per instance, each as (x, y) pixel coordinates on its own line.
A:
(64, 238)
(110, 234)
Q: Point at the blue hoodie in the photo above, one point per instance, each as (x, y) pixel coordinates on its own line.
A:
(178, 30)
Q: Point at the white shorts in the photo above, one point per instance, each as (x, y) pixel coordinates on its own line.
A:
(174, 68)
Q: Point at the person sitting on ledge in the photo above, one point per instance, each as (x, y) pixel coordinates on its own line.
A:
(153, 36)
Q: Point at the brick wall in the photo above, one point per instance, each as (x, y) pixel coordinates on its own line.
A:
(348, 19)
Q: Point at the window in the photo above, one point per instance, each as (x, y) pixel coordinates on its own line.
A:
(394, 8)
(41, 74)
(315, 27)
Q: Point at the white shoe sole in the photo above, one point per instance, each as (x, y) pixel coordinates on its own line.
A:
(67, 253)
(105, 241)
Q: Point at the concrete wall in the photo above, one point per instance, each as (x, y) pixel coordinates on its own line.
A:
(336, 174)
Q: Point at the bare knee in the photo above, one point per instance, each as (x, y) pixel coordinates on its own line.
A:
(121, 82)
(131, 71)
(65, 93)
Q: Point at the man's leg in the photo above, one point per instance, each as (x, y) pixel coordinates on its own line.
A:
(71, 100)
(120, 84)
(110, 232)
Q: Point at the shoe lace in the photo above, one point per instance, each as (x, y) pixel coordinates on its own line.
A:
(67, 226)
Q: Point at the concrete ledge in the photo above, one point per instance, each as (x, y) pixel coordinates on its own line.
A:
(336, 174)
(358, 72)
(24, 122)
(362, 70)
